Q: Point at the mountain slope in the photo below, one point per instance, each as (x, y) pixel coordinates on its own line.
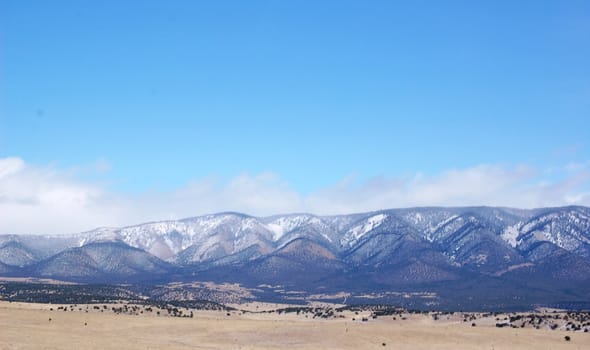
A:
(101, 261)
(14, 253)
(548, 249)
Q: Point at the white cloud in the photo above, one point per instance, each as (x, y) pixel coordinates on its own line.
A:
(9, 166)
(45, 200)
(49, 200)
(493, 185)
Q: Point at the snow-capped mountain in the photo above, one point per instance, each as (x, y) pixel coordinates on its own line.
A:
(205, 238)
(212, 237)
(382, 249)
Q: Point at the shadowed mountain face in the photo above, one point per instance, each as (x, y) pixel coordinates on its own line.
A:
(102, 261)
(435, 249)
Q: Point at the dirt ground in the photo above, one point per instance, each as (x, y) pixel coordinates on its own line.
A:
(28, 326)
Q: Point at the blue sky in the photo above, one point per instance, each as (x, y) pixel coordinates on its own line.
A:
(320, 104)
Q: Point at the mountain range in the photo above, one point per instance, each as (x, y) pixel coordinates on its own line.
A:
(468, 256)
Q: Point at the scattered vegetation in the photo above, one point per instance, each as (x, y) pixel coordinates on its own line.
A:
(138, 300)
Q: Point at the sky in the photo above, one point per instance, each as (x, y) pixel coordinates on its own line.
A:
(119, 112)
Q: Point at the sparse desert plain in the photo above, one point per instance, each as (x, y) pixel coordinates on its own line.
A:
(35, 326)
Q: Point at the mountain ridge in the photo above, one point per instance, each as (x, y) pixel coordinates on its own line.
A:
(374, 251)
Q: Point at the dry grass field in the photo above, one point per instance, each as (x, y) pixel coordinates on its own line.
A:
(28, 326)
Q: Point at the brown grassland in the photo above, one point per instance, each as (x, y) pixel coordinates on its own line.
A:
(35, 326)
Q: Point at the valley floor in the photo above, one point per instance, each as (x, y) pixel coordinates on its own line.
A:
(35, 326)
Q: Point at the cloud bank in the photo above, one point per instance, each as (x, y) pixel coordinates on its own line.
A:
(48, 200)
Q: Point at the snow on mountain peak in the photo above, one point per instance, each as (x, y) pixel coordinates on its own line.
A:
(218, 235)
(361, 229)
(511, 233)
(285, 224)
